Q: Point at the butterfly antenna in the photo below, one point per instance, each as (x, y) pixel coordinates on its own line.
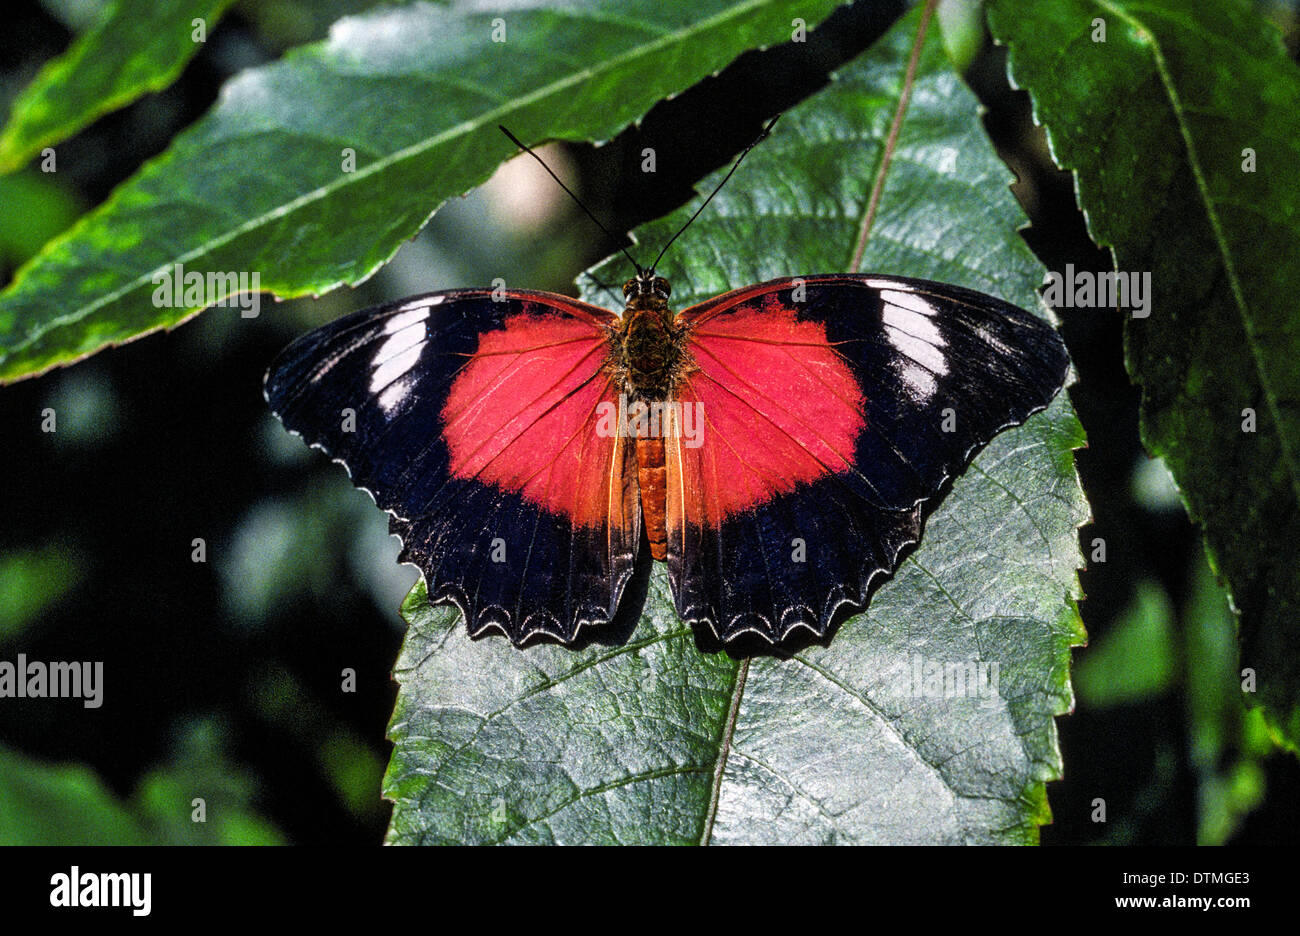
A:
(514, 139)
(736, 165)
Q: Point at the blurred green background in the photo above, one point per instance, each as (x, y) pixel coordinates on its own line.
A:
(223, 678)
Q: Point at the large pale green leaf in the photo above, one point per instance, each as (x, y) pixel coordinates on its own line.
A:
(416, 92)
(1156, 123)
(655, 740)
(138, 46)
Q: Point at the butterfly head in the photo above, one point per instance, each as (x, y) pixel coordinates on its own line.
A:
(646, 285)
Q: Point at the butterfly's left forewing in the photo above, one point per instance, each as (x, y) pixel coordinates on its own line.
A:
(832, 408)
(474, 423)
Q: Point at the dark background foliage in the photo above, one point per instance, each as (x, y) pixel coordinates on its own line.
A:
(234, 663)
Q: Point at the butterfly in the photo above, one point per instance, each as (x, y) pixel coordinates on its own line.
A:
(775, 445)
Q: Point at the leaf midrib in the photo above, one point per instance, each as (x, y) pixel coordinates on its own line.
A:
(409, 152)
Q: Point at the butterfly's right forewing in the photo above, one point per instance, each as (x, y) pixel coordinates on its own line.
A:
(833, 408)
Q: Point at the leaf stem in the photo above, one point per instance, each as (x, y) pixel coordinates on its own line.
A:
(904, 97)
(724, 748)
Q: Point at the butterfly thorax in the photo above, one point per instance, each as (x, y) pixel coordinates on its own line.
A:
(649, 354)
(649, 349)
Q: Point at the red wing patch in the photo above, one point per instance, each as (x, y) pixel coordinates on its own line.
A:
(778, 405)
(522, 414)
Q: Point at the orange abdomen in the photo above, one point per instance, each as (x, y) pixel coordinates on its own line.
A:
(651, 476)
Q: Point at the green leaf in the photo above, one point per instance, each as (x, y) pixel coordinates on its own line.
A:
(1136, 659)
(33, 208)
(201, 768)
(44, 804)
(1228, 744)
(1155, 122)
(657, 741)
(33, 580)
(260, 185)
(137, 47)
(68, 804)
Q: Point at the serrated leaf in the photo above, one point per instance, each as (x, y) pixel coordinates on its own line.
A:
(656, 741)
(259, 185)
(137, 47)
(1155, 123)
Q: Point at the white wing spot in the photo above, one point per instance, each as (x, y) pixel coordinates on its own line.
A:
(927, 355)
(393, 367)
(394, 394)
(910, 301)
(919, 379)
(914, 324)
(403, 320)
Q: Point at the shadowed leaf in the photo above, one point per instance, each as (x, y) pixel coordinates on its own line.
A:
(1183, 130)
